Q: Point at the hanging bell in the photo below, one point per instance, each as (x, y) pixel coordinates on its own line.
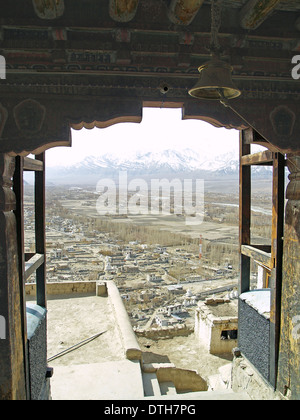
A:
(215, 81)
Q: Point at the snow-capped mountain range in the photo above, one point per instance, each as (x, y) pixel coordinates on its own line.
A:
(169, 163)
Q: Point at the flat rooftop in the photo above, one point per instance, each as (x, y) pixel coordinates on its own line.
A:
(226, 309)
(73, 319)
(94, 369)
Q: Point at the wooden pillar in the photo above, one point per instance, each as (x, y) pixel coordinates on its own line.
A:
(40, 236)
(289, 353)
(245, 212)
(276, 255)
(12, 368)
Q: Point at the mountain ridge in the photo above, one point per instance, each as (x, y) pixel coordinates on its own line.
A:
(168, 163)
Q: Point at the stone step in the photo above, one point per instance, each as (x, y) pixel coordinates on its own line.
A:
(221, 380)
(215, 383)
(153, 367)
(151, 385)
(98, 381)
(225, 373)
(222, 395)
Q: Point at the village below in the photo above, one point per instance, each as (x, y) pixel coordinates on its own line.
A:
(168, 274)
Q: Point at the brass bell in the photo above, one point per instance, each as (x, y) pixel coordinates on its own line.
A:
(215, 81)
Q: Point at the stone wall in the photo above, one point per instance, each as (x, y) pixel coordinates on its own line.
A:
(185, 380)
(131, 347)
(254, 333)
(164, 332)
(64, 288)
(37, 352)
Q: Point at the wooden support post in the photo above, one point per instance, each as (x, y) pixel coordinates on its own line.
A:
(288, 381)
(12, 360)
(245, 212)
(276, 255)
(18, 187)
(40, 239)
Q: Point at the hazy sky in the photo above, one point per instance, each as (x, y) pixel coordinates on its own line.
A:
(159, 130)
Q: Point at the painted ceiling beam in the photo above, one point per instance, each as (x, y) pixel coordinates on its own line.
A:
(123, 10)
(49, 9)
(254, 13)
(182, 12)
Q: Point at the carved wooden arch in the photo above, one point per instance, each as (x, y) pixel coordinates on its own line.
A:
(210, 114)
(35, 125)
(32, 125)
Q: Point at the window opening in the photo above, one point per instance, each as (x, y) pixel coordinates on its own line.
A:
(229, 335)
(161, 265)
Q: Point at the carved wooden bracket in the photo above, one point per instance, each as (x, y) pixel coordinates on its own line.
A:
(254, 13)
(293, 188)
(49, 9)
(182, 12)
(214, 113)
(33, 126)
(123, 10)
(274, 120)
